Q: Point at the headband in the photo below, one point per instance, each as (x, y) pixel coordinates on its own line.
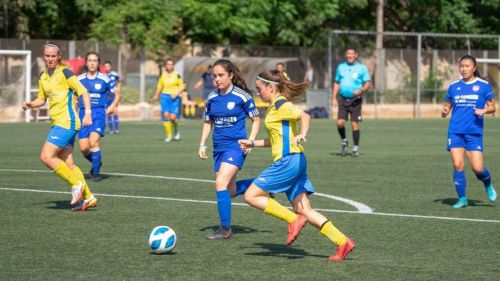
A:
(52, 45)
(268, 81)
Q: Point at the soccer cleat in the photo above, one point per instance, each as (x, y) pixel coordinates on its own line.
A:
(355, 151)
(117, 131)
(461, 202)
(95, 177)
(76, 192)
(177, 136)
(344, 148)
(221, 233)
(492, 194)
(86, 204)
(343, 250)
(168, 139)
(294, 229)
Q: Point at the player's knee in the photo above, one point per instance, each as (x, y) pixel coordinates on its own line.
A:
(165, 115)
(458, 165)
(340, 123)
(172, 117)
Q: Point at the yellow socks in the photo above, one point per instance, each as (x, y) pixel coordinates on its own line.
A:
(168, 128)
(86, 190)
(63, 171)
(275, 209)
(332, 233)
(192, 111)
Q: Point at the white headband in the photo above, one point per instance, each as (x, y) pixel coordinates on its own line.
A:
(52, 45)
(268, 81)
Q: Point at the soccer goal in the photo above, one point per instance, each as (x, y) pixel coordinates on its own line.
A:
(15, 85)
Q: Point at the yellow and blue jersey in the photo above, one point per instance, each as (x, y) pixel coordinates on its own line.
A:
(170, 83)
(351, 77)
(281, 124)
(465, 97)
(59, 88)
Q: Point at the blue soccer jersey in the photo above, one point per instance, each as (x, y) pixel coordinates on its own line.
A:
(465, 97)
(228, 113)
(114, 78)
(98, 89)
(351, 77)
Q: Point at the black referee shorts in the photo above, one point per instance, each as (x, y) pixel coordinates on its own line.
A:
(350, 107)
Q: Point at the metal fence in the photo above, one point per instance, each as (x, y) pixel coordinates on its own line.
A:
(415, 68)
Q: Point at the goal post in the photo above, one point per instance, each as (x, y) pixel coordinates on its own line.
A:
(26, 54)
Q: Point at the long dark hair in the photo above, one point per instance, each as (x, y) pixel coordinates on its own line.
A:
(231, 68)
(285, 87)
(473, 59)
(84, 67)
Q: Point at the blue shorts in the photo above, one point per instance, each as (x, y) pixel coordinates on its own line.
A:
(288, 174)
(471, 142)
(233, 157)
(98, 123)
(61, 137)
(172, 106)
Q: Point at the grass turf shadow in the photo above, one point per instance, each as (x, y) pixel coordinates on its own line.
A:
(282, 251)
(237, 229)
(472, 203)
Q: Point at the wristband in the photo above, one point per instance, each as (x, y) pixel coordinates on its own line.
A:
(88, 111)
(203, 146)
(252, 143)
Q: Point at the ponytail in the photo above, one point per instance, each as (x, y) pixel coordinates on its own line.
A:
(289, 89)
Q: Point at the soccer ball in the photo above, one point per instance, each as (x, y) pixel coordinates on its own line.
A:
(162, 239)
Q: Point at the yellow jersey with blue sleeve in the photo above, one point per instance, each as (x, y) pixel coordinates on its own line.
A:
(59, 88)
(170, 83)
(281, 124)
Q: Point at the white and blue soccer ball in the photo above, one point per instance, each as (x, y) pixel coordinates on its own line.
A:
(162, 239)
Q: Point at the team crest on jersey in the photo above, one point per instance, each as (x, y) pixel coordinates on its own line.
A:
(97, 86)
(475, 88)
(230, 105)
(355, 75)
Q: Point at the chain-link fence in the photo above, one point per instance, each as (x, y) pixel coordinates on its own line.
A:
(414, 68)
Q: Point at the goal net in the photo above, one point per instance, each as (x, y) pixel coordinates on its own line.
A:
(15, 85)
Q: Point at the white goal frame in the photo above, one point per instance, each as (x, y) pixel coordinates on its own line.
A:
(27, 55)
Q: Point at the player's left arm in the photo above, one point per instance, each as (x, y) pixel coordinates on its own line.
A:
(116, 101)
(246, 144)
(305, 122)
(366, 84)
(490, 108)
(80, 90)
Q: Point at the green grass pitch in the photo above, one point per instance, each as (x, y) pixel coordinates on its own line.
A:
(403, 174)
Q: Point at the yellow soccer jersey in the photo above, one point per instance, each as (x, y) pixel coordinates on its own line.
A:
(60, 88)
(170, 83)
(281, 125)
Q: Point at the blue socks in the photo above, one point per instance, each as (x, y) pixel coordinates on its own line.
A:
(242, 186)
(110, 123)
(224, 207)
(484, 177)
(460, 183)
(116, 122)
(88, 157)
(96, 162)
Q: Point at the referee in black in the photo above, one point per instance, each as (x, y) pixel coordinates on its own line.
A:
(351, 81)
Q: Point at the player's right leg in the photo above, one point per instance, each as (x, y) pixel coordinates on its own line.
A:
(457, 157)
(344, 146)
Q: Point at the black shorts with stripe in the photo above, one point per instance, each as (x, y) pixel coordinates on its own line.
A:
(349, 107)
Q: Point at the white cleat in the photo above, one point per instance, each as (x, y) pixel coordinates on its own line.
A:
(168, 139)
(76, 193)
(177, 136)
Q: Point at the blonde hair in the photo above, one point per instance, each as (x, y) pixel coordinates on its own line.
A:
(285, 87)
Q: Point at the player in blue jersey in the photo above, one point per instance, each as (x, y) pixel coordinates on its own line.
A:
(98, 86)
(116, 85)
(207, 82)
(351, 80)
(469, 99)
(288, 172)
(226, 110)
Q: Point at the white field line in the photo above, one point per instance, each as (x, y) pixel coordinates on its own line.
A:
(241, 204)
(362, 208)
